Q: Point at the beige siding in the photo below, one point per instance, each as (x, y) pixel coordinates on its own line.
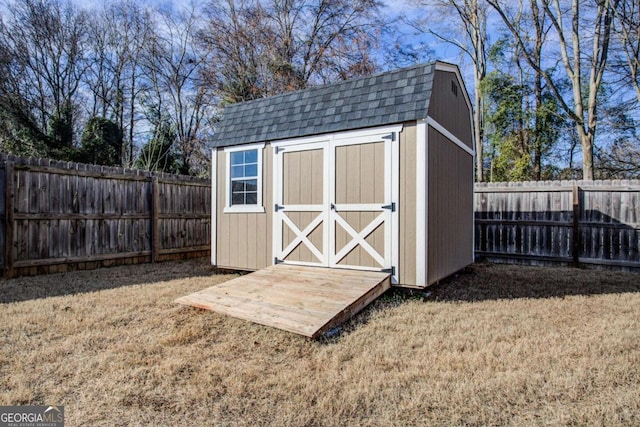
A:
(407, 206)
(244, 239)
(450, 207)
(303, 185)
(359, 256)
(303, 175)
(360, 173)
(301, 252)
(449, 110)
(360, 179)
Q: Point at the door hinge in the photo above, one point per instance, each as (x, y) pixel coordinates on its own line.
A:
(391, 207)
(391, 136)
(391, 270)
(276, 261)
(277, 207)
(277, 150)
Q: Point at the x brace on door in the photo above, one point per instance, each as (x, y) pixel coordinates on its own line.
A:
(302, 236)
(355, 233)
(358, 239)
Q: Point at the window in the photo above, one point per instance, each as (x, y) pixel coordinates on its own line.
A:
(244, 179)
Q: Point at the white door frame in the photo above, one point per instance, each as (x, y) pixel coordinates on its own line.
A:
(328, 257)
(280, 214)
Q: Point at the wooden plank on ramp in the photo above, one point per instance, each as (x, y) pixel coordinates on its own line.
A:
(304, 300)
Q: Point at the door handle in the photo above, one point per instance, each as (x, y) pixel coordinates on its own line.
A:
(333, 207)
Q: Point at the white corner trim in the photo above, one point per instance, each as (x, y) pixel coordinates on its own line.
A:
(395, 216)
(421, 202)
(437, 126)
(257, 208)
(214, 206)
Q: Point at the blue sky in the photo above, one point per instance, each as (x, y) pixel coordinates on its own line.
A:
(441, 51)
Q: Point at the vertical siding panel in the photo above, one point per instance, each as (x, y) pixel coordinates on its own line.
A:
(304, 177)
(252, 245)
(449, 110)
(378, 176)
(317, 180)
(450, 196)
(340, 174)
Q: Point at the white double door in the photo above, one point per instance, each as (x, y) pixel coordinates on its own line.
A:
(335, 201)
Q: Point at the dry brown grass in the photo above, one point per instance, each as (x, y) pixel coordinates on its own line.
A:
(496, 345)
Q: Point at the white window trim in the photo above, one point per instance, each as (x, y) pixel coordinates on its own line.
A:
(228, 207)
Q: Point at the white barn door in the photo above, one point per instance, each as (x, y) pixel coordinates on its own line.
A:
(301, 231)
(336, 200)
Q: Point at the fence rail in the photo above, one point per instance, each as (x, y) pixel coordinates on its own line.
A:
(61, 215)
(569, 222)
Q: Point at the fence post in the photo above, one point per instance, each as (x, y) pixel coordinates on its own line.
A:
(9, 222)
(155, 219)
(576, 226)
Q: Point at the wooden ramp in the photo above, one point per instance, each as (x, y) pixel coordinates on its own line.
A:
(304, 300)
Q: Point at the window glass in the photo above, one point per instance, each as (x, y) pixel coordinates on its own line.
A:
(251, 170)
(251, 156)
(244, 177)
(237, 157)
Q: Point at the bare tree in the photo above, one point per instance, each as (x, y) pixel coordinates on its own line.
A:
(469, 35)
(627, 31)
(264, 47)
(44, 45)
(176, 90)
(583, 68)
(120, 34)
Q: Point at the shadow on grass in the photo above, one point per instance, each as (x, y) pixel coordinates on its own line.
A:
(81, 281)
(486, 281)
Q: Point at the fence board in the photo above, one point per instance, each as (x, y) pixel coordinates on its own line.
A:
(582, 222)
(60, 215)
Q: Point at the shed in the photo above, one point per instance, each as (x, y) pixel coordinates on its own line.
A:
(372, 173)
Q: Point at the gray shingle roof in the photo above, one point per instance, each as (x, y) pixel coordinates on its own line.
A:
(392, 97)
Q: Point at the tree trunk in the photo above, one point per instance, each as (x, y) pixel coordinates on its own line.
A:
(586, 142)
(478, 136)
(537, 143)
(478, 35)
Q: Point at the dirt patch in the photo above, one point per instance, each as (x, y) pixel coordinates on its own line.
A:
(496, 345)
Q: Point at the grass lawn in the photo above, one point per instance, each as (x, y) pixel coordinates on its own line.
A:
(495, 345)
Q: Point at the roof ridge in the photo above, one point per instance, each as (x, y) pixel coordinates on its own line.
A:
(336, 83)
(394, 96)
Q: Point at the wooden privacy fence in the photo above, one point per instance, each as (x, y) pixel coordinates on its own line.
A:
(572, 222)
(58, 215)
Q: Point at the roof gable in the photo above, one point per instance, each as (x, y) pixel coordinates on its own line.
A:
(392, 97)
